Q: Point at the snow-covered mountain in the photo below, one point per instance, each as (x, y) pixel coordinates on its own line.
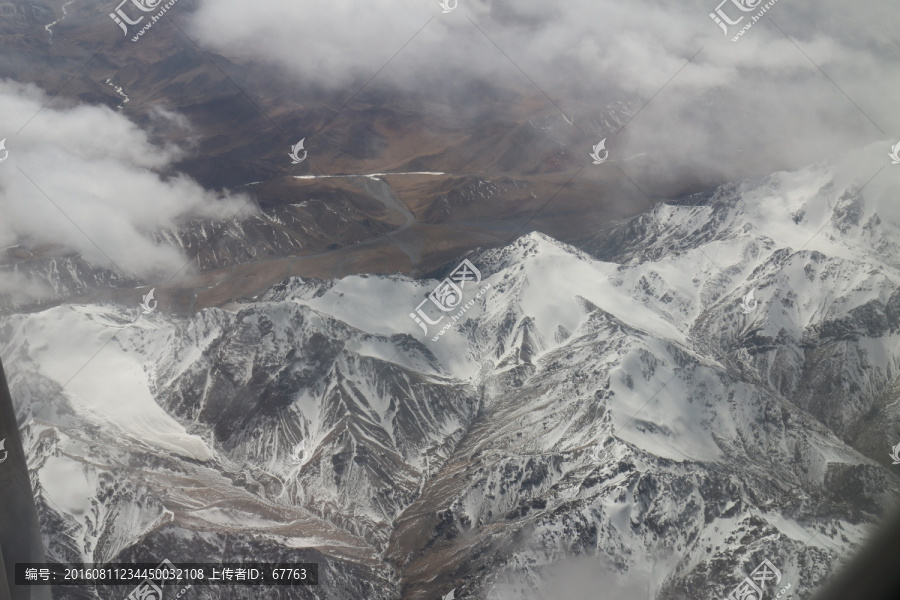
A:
(605, 414)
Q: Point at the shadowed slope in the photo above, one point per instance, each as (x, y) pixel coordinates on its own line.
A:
(20, 536)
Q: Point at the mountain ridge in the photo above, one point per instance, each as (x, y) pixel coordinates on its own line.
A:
(475, 453)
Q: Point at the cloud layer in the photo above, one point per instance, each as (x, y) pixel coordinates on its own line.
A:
(804, 84)
(85, 179)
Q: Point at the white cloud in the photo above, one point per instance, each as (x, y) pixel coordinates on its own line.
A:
(112, 187)
(738, 110)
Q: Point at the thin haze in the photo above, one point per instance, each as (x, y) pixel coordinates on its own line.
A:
(738, 109)
(86, 179)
